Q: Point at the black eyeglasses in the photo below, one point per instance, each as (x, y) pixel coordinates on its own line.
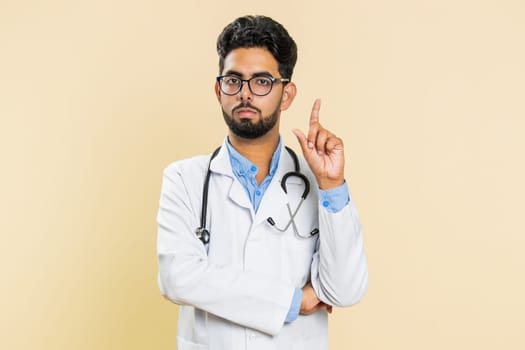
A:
(258, 85)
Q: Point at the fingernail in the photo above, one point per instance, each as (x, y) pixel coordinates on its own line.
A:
(310, 144)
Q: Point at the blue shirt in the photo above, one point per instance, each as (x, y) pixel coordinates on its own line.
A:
(245, 171)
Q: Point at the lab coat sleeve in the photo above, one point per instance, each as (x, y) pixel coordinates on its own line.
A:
(339, 271)
(186, 276)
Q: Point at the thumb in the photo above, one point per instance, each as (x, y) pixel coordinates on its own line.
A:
(303, 142)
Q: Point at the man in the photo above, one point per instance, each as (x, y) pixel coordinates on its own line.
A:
(274, 265)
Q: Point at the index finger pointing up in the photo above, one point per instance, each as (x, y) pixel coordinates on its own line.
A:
(314, 116)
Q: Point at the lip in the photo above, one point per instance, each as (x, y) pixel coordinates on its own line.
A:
(246, 112)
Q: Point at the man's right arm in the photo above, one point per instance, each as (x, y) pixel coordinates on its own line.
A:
(186, 276)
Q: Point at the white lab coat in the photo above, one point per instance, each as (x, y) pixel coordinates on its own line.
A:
(236, 293)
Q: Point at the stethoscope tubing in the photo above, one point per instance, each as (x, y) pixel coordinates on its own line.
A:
(203, 234)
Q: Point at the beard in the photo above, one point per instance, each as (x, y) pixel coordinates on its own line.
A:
(248, 129)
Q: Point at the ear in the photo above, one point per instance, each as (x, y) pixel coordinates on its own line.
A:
(218, 92)
(289, 92)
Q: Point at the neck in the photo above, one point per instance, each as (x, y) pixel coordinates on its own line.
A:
(259, 151)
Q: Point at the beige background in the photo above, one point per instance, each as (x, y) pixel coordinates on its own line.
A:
(97, 97)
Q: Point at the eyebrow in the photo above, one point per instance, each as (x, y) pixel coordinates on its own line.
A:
(257, 74)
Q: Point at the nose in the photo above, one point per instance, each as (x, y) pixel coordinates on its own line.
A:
(245, 94)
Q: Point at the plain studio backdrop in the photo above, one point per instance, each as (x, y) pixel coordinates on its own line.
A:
(97, 97)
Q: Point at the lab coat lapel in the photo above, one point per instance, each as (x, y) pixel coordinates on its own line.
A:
(222, 165)
(274, 200)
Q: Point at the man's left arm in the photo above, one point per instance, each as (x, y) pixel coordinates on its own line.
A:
(339, 268)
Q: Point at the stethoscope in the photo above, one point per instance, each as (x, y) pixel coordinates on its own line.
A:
(204, 234)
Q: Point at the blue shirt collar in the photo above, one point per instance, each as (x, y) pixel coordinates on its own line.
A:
(241, 166)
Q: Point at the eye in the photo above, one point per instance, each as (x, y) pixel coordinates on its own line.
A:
(263, 81)
(231, 80)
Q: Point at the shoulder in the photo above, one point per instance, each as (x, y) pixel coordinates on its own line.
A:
(188, 165)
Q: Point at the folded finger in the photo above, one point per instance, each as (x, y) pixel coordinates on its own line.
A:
(313, 132)
(303, 142)
(333, 143)
(322, 138)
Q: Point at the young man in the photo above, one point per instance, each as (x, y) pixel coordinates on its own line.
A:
(255, 246)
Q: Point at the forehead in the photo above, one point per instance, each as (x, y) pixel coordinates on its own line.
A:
(249, 61)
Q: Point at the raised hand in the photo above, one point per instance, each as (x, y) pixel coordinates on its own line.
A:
(323, 151)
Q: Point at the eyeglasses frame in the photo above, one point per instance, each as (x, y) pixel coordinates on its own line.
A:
(247, 81)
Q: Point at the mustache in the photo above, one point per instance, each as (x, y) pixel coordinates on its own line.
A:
(246, 105)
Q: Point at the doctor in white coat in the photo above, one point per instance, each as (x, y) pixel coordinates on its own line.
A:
(274, 266)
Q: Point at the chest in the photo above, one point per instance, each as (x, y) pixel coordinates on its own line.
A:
(243, 238)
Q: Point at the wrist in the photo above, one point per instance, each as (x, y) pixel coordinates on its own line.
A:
(328, 184)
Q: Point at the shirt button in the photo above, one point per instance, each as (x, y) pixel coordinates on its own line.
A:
(258, 193)
(241, 172)
(253, 169)
(326, 204)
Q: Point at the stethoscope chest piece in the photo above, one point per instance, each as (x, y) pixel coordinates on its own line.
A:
(203, 235)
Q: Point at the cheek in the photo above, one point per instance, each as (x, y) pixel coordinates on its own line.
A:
(225, 101)
(278, 103)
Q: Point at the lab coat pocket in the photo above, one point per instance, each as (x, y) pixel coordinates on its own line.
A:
(299, 219)
(298, 247)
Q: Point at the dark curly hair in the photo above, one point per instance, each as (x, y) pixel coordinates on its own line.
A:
(259, 31)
